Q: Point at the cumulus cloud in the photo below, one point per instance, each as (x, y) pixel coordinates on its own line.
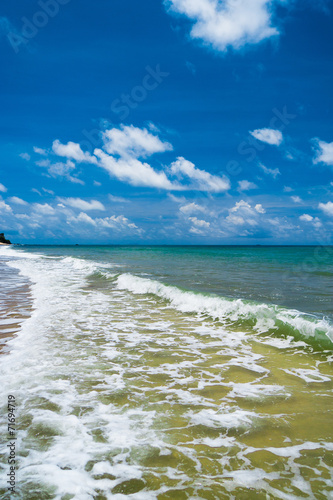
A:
(3, 189)
(83, 217)
(115, 222)
(40, 151)
(82, 204)
(246, 185)
(274, 172)
(4, 207)
(133, 171)
(58, 221)
(25, 156)
(122, 156)
(72, 151)
(296, 199)
(260, 209)
(308, 218)
(17, 201)
(199, 223)
(202, 180)
(323, 152)
(133, 142)
(235, 219)
(229, 23)
(191, 208)
(244, 214)
(197, 231)
(327, 208)
(268, 135)
(60, 169)
(44, 209)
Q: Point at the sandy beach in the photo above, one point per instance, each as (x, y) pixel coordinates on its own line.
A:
(15, 303)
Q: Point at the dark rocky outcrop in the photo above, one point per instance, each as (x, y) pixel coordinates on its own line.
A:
(3, 239)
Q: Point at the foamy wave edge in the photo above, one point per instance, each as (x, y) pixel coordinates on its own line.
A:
(265, 317)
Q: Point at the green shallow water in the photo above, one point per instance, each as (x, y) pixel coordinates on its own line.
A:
(122, 395)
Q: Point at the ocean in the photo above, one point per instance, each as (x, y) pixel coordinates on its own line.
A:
(166, 372)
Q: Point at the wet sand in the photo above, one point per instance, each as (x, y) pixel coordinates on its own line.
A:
(15, 303)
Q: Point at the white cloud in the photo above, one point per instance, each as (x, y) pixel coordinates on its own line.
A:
(306, 218)
(45, 209)
(268, 135)
(124, 146)
(17, 201)
(287, 189)
(25, 156)
(133, 142)
(296, 199)
(117, 222)
(48, 191)
(3, 189)
(82, 204)
(97, 183)
(4, 207)
(270, 171)
(60, 169)
(83, 217)
(117, 199)
(191, 208)
(40, 151)
(244, 213)
(260, 209)
(176, 199)
(134, 172)
(198, 222)
(246, 185)
(236, 220)
(203, 181)
(240, 205)
(327, 208)
(316, 222)
(228, 23)
(196, 230)
(121, 154)
(72, 151)
(324, 152)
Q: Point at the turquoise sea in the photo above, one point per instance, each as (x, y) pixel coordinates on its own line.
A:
(167, 372)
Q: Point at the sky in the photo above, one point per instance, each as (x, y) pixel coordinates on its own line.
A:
(166, 121)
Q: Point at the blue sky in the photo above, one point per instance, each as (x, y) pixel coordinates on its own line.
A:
(180, 121)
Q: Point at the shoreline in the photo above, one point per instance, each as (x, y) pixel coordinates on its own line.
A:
(16, 303)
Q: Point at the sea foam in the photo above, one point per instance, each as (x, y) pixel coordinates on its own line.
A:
(262, 317)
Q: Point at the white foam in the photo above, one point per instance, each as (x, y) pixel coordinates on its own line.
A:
(231, 419)
(256, 391)
(309, 376)
(265, 317)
